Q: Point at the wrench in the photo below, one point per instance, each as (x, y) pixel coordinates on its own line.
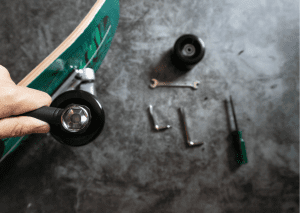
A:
(156, 127)
(189, 142)
(157, 83)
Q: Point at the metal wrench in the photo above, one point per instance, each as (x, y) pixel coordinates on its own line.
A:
(189, 142)
(157, 83)
(156, 127)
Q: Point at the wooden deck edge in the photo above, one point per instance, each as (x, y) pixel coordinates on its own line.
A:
(63, 46)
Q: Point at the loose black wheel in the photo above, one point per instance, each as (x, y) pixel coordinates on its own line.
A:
(95, 127)
(188, 50)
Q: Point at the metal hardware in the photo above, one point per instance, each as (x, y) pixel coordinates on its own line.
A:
(157, 83)
(87, 78)
(189, 142)
(156, 127)
(82, 79)
(75, 118)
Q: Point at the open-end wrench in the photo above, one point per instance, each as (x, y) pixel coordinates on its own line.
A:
(157, 83)
(156, 127)
(189, 142)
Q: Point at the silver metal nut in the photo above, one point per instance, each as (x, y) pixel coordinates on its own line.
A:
(75, 118)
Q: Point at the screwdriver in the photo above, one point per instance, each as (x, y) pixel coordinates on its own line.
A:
(238, 141)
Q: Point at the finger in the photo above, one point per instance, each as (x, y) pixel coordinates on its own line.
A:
(5, 76)
(23, 125)
(18, 99)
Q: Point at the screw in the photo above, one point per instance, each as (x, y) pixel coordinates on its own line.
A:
(75, 118)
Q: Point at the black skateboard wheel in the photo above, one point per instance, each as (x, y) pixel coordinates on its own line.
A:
(2, 147)
(188, 50)
(95, 127)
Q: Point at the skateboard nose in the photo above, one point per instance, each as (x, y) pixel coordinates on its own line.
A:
(75, 118)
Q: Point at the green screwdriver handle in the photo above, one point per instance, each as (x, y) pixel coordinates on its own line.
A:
(243, 149)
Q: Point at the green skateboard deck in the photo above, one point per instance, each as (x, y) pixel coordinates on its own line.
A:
(86, 47)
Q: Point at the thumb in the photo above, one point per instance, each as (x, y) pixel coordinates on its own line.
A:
(5, 76)
(22, 125)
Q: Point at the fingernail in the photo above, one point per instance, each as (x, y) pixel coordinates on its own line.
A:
(41, 130)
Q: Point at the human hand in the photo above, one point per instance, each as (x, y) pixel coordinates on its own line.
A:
(16, 100)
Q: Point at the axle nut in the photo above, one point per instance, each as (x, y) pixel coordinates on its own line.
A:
(75, 118)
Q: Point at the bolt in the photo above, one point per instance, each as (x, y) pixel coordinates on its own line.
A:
(75, 118)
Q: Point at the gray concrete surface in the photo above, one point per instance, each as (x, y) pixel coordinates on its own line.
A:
(252, 54)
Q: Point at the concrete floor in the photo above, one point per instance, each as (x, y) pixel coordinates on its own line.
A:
(252, 53)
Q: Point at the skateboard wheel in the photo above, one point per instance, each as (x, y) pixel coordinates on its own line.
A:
(2, 147)
(95, 127)
(188, 50)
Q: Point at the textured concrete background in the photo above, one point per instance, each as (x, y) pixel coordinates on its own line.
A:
(252, 54)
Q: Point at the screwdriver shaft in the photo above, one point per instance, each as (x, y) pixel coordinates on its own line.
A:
(233, 112)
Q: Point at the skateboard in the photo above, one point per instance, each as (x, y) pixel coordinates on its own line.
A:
(68, 75)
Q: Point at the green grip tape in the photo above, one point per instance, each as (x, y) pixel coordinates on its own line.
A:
(243, 148)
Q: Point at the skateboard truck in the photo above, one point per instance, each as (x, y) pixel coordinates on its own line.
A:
(75, 115)
(80, 79)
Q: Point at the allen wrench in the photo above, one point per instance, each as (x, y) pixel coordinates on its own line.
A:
(156, 127)
(189, 142)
